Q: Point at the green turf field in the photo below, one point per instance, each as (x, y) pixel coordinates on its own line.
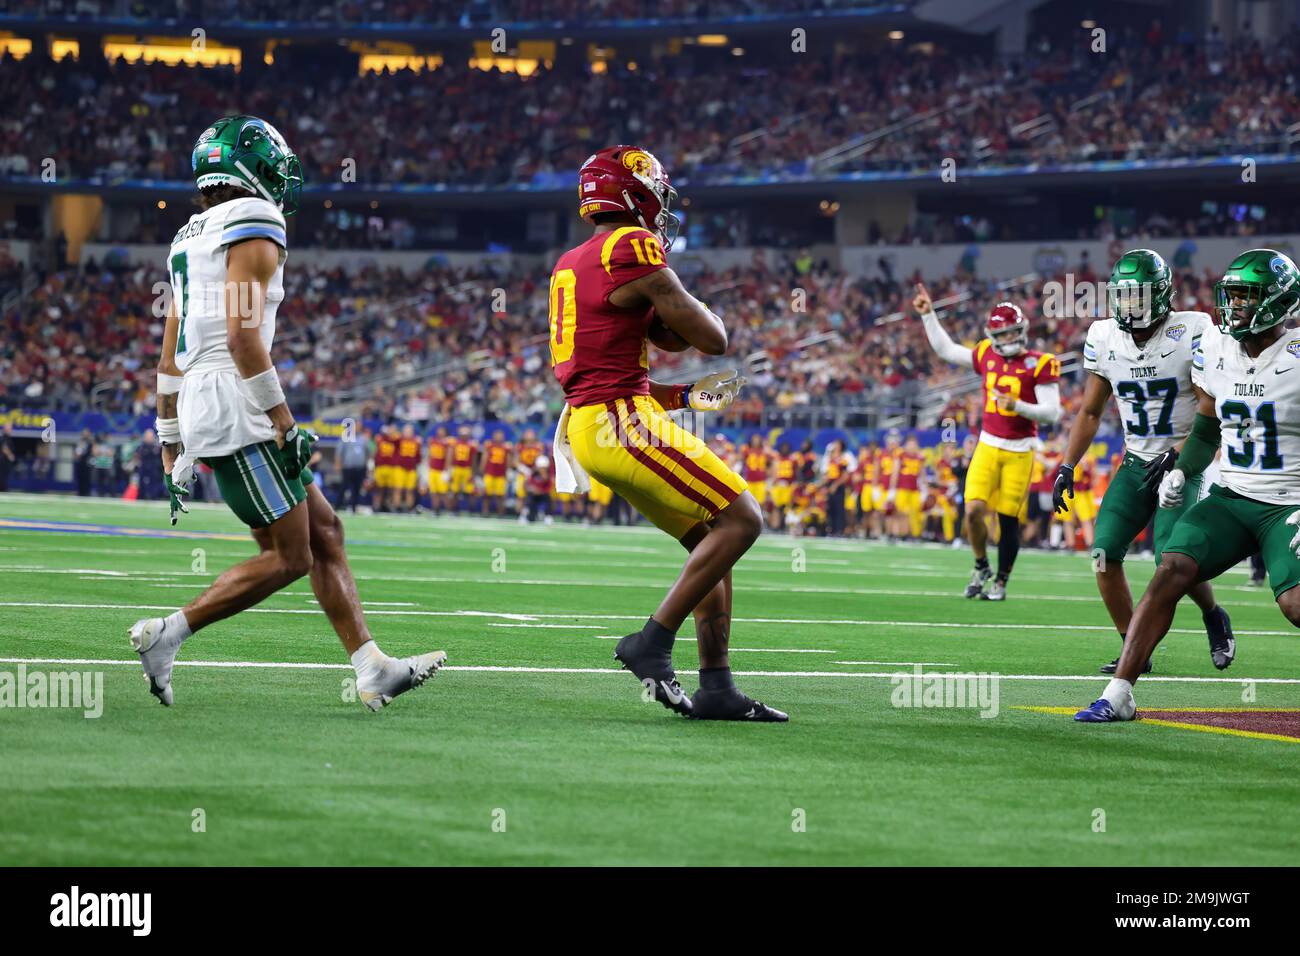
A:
(531, 727)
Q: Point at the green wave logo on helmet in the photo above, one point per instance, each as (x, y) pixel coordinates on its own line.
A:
(1260, 289)
(250, 154)
(1140, 290)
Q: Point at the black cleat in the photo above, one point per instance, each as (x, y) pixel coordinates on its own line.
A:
(1223, 646)
(731, 704)
(1114, 666)
(653, 668)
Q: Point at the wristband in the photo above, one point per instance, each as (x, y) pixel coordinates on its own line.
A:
(168, 430)
(684, 396)
(169, 384)
(264, 390)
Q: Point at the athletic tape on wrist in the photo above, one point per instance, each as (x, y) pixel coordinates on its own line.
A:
(264, 390)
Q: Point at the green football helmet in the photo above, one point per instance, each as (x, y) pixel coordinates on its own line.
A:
(250, 154)
(1261, 289)
(1140, 290)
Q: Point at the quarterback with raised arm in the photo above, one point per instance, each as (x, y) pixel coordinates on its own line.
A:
(610, 297)
(220, 402)
(1020, 392)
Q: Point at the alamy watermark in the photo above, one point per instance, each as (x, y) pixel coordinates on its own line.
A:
(38, 689)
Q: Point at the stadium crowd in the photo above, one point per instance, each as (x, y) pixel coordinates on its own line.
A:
(485, 127)
(431, 12)
(809, 334)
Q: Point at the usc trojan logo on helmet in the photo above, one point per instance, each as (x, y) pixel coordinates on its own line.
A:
(639, 162)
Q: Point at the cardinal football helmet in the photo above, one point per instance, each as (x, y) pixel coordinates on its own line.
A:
(1007, 329)
(629, 179)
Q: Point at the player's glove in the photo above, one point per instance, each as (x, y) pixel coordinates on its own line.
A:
(1158, 467)
(1064, 485)
(714, 392)
(1171, 489)
(1294, 521)
(177, 483)
(296, 450)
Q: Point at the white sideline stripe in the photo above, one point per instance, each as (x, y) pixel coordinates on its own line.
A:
(657, 586)
(898, 663)
(558, 627)
(839, 622)
(505, 669)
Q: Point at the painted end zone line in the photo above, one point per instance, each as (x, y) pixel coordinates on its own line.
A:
(511, 669)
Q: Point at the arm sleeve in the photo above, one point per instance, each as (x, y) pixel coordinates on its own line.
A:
(942, 343)
(1047, 409)
(1198, 451)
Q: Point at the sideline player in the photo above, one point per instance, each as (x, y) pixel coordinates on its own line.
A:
(1248, 401)
(1020, 392)
(1142, 355)
(608, 297)
(220, 403)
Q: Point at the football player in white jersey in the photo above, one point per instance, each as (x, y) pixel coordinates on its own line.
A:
(1247, 378)
(1143, 355)
(220, 402)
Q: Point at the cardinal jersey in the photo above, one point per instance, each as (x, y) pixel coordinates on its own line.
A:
(496, 456)
(909, 471)
(437, 455)
(1258, 404)
(463, 453)
(755, 465)
(385, 451)
(598, 350)
(408, 453)
(528, 453)
(1152, 383)
(1020, 376)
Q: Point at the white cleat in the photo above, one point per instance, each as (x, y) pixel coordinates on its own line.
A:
(400, 675)
(157, 655)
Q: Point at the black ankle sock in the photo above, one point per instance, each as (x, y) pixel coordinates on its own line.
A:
(657, 635)
(715, 678)
(982, 564)
(1205, 616)
(1008, 545)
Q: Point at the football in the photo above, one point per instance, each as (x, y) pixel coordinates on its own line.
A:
(665, 338)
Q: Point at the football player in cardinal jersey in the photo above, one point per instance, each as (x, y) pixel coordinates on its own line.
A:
(1020, 391)
(609, 296)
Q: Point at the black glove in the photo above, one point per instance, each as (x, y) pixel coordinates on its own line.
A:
(296, 450)
(1158, 467)
(1064, 485)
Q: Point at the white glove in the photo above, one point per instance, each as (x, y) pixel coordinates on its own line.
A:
(1171, 489)
(1294, 521)
(715, 392)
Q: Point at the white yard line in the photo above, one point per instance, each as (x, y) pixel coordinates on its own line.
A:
(505, 669)
(578, 616)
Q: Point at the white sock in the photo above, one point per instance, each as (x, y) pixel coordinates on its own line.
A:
(369, 661)
(176, 627)
(1117, 691)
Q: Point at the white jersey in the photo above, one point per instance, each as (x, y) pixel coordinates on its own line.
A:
(215, 417)
(1258, 404)
(1152, 383)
